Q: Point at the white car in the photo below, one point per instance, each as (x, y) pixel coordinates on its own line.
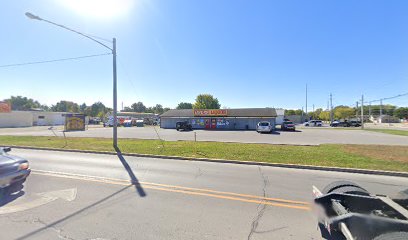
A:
(264, 127)
(313, 123)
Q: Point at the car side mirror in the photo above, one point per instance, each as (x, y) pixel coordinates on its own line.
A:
(7, 149)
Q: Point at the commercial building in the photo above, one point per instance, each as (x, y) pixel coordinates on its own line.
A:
(228, 119)
(31, 118)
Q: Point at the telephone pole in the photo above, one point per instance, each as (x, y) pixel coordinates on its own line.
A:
(331, 108)
(356, 110)
(362, 111)
(313, 112)
(306, 100)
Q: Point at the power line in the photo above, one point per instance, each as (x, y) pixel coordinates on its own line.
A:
(54, 60)
(387, 98)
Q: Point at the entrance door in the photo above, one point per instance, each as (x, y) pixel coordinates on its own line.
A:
(207, 123)
(213, 123)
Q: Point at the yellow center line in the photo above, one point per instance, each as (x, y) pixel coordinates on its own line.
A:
(185, 190)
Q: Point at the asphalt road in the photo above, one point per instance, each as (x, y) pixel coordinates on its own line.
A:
(89, 196)
(304, 136)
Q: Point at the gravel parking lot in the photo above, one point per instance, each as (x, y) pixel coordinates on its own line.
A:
(303, 136)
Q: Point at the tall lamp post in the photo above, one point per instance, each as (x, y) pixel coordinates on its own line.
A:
(113, 49)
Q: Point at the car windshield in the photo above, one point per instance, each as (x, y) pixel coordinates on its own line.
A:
(204, 119)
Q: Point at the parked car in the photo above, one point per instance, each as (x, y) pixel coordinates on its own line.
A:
(13, 171)
(185, 125)
(345, 123)
(313, 123)
(264, 126)
(288, 125)
(355, 123)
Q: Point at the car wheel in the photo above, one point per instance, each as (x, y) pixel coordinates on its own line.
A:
(345, 187)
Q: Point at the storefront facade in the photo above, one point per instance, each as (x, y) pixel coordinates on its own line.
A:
(219, 119)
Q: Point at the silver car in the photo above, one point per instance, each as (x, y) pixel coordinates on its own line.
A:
(264, 126)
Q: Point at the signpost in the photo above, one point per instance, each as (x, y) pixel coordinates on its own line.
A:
(74, 122)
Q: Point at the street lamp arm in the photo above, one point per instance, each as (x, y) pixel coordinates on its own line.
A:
(32, 16)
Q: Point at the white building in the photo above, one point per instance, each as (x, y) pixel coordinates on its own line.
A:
(31, 118)
(280, 115)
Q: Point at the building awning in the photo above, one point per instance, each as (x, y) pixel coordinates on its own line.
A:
(237, 112)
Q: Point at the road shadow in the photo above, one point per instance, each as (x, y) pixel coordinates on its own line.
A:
(7, 196)
(51, 225)
(132, 176)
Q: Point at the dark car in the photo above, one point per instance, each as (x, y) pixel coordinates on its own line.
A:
(183, 126)
(288, 125)
(354, 123)
(13, 170)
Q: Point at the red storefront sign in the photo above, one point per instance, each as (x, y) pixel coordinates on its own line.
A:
(210, 112)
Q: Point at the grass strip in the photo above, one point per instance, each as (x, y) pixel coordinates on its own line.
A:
(377, 157)
(390, 131)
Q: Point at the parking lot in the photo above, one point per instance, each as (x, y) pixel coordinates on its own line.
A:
(303, 135)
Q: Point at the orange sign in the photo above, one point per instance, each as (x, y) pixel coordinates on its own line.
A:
(210, 112)
(5, 107)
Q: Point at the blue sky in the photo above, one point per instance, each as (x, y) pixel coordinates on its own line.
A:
(246, 53)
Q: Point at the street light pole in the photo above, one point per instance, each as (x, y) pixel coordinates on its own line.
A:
(113, 49)
(115, 97)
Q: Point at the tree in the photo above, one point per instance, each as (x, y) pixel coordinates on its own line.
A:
(342, 112)
(82, 108)
(20, 103)
(127, 109)
(401, 113)
(289, 112)
(324, 115)
(97, 108)
(158, 109)
(206, 101)
(166, 109)
(184, 105)
(138, 107)
(65, 106)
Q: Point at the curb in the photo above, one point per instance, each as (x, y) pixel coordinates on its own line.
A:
(281, 165)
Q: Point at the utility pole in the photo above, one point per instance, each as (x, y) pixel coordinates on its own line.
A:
(306, 100)
(362, 111)
(113, 49)
(331, 108)
(356, 110)
(115, 96)
(313, 112)
(369, 109)
(380, 110)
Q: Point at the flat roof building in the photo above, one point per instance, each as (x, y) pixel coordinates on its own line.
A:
(228, 119)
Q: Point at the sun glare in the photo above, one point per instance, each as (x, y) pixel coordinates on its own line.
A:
(99, 8)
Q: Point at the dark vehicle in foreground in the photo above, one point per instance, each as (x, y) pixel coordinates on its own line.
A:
(13, 170)
(348, 211)
(288, 126)
(185, 125)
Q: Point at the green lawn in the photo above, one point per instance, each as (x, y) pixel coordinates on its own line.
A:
(353, 156)
(390, 131)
